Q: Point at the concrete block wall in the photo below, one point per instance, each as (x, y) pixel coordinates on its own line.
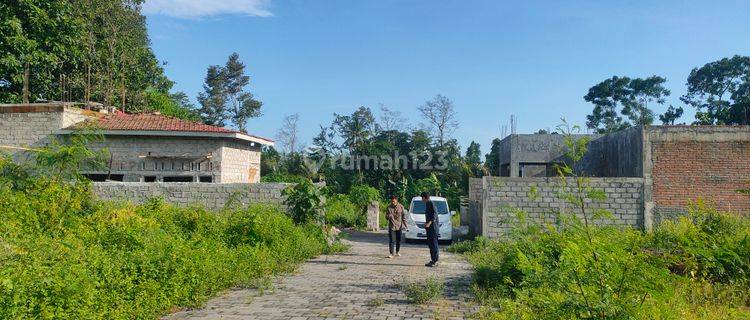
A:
(240, 163)
(212, 196)
(139, 156)
(31, 125)
(502, 196)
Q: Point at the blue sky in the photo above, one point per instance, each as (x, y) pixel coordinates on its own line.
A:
(533, 59)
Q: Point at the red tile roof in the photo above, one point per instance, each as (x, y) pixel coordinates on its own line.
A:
(154, 122)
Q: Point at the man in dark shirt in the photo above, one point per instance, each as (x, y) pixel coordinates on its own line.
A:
(431, 226)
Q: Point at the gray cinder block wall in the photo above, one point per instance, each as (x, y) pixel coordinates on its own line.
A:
(212, 196)
(30, 125)
(537, 197)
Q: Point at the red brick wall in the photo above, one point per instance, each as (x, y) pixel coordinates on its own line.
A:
(684, 171)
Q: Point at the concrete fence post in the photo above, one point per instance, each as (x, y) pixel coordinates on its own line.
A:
(373, 216)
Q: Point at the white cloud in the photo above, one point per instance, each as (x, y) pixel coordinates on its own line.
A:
(205, 8)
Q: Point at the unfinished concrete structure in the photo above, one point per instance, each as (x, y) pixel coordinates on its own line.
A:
(143, 147)
(649, 173)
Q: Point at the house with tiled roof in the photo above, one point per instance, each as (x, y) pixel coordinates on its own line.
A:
(147, 147)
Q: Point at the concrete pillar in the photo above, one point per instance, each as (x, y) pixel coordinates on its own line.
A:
(373, 216)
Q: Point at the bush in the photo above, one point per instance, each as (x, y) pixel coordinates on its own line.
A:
(423, 292)
(362, 195)
(694, 268)
(706, 244)
(340, 211)
(305, 202)
(64, 256)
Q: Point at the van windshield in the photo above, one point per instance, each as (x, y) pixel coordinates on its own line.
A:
(418, 207)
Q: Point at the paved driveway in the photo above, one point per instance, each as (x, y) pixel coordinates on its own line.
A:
(359, 284)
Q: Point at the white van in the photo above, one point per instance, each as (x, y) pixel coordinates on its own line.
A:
(415, 219)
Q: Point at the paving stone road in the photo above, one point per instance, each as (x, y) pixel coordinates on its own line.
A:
(359, 284)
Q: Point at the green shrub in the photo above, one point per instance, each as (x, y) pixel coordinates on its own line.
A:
(305, 202)
(694, 268)
(423, 292)
(362, 195)
(340, 211)
(706, 244)
(64, 256)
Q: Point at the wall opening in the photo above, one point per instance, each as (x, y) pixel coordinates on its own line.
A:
(100, 177)
(178, 179)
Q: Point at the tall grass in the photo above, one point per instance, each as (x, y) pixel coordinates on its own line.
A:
(693, 268)
(65, 256)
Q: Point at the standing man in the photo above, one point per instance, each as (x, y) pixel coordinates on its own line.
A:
(431, 226)
(396, 222)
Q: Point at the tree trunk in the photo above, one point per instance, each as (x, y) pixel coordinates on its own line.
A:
(87, 97)
(26, 76)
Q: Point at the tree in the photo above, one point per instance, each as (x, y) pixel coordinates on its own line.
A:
(36, 37)
(288, 134)
(492, 159)
(720, 91)
(73, 50)
(213, 98)
(473, 162)
(356, 129)
(606, 97)
(641, 93)
(618, 96)
(391, 120)
(473, 153)
(174, 105)
(224, 97)
(243, 105)
(440, 116)
(672, 114)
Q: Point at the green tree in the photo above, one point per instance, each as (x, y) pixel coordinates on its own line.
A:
(623, 96)
(36, 38)
(242, 105)
(607, 96)
(641, 93)
(473, 153)
(213, 99)
(671, 115)
(720, 91)
(492, 159)
(174, 105)
(224, 97)
(73, 50)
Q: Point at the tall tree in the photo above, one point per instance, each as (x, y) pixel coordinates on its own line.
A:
(440, 116)
(492, 159)
(78, 50)
(213, 99)
(618, 96)
(720, 91)
(288, 134)
(36, 38)
(671, 115)
(242, 104)
(356, 129)
(607, 96)
(643, 92)
(391, 120)
(224, 97)
(473, 153)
